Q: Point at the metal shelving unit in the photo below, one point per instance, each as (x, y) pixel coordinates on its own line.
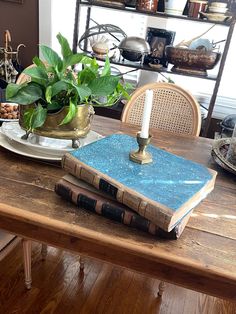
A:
(217, 78)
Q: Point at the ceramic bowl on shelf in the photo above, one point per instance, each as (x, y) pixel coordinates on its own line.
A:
(191, 61)
(219, 4)
(220, 10)
(202, 44)
(215, 17)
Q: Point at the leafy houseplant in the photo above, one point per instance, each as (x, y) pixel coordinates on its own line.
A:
(53, 85)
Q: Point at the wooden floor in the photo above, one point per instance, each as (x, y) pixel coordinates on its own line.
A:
(59, 287)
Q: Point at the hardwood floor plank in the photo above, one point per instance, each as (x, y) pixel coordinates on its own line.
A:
(74, 294)
(59, 287)
(122, 286)
(147, 300)
(97, 290)
(55, 285)
(108, 293)
(132, 294)
(79, 291)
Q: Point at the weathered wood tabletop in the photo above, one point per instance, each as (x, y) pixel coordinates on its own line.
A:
(203, 259)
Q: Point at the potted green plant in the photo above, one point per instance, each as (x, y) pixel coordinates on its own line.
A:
(56, 100)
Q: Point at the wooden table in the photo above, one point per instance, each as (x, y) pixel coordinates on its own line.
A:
(203, 259)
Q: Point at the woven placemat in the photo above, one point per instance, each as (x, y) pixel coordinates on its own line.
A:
(219, 151)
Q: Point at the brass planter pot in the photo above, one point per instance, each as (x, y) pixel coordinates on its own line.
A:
(78, 127)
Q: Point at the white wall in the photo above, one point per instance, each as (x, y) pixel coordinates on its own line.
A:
(45, 22)
(56, 16)
(63, 12)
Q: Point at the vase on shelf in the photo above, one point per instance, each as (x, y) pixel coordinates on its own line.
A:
(147, 5)
(175, 7)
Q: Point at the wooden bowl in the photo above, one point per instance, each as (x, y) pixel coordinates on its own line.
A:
(191, 61)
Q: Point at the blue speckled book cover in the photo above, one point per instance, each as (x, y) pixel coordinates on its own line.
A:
(163, 191)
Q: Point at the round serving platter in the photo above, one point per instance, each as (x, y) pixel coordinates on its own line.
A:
(44, 145)
(23, 150)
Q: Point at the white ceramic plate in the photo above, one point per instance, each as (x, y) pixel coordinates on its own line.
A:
(41, 144)
(8, 120)
(23, 150)
(220, 10)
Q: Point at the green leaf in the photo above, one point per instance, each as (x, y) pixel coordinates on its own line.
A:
(104, 86)
(54, 105)
(48, 94)
(35, 117)
(87, 60)
(37, 75)
(27, 94)
(69, 76)
(51, 57)
(73, 59)
(123, 90)
(58, 87)
(40, 115)
(86, 76)
(12, 89)
(94, 66)
(107, 68)
(39, 63)
(71, 113)
(65, 47)
(27, 118)
(83, 91)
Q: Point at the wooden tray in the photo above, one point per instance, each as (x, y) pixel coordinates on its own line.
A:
(219, 151)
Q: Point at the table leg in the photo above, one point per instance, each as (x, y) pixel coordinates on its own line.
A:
(81, 263)
(44, 251)
(161, 288)
(27, 262)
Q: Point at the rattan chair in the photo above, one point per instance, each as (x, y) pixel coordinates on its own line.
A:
(174, 109)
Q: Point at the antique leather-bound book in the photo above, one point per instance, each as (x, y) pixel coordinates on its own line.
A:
(87, 197)
(163, 191)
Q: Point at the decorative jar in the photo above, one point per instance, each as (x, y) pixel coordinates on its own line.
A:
(175, 7)
(147, 5)
(195, 7)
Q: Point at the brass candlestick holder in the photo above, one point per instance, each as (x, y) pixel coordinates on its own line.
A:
(141, 156)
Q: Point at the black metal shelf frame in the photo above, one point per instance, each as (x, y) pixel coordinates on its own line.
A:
(230, 24)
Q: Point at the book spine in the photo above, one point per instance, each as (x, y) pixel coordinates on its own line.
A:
(126, 197)
(95, 203)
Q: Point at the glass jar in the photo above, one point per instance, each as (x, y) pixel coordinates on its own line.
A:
(147, 5)
(231, 154)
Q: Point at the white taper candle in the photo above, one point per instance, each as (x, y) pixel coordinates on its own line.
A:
(146, 114)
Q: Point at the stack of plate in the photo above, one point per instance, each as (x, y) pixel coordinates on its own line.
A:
(217, 11)
(218, 7)
(36, 146)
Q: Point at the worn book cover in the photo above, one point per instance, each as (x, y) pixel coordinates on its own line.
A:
(85, 196)
(163, 191)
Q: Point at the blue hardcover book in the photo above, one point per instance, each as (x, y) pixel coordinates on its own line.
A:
(163, 191)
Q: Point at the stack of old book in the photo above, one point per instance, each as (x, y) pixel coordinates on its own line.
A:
(157, 198)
